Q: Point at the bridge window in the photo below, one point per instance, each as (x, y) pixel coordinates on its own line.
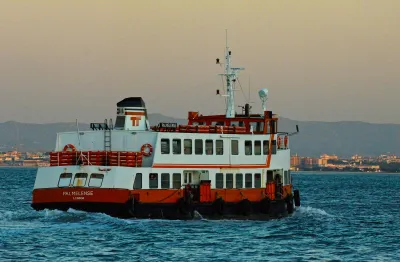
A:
(153, 180)
(187, 146)
(273, 146)
(176, 146)
(229, 180)
(65, 180)
(176, 180)
(248, 147)
(265, 147)
(198, 146)
(165, 146)
(96, 180)
(257, 180)
(239, 180)
(219, 180)
(249, 180)
(257, 147)
(235, 147)
(137, 184)
(219, 147)
(164, 180)
(80, 179)
(209, 147)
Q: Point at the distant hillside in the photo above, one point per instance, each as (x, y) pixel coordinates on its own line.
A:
(314, 139)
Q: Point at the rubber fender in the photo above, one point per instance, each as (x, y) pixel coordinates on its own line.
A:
(181, 206)
(264, 205)
(297, 198)
(218, 206)
(289, 204)
(245, 207)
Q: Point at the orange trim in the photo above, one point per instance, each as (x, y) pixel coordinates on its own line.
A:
(134, 113)
(271, 138)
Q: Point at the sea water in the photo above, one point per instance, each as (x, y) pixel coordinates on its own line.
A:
(343, 217)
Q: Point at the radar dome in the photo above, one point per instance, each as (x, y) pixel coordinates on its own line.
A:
(263, 93)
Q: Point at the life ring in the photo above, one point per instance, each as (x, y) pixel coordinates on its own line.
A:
(69, 146)
(285, 141)
(279, 142)
(146, 150)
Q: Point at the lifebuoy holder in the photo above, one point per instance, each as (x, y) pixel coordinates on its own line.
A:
(285, 140)
(146, 150)
(69, 146)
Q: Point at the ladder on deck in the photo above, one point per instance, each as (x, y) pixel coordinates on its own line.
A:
(107, 135)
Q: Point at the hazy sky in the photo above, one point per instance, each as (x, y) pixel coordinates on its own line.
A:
(321, 60)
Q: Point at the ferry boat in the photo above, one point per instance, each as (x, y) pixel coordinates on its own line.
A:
(219, 166)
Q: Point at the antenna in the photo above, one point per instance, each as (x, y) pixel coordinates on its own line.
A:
(231, 77)
(263, 94)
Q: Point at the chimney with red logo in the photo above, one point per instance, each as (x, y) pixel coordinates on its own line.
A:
(132, 115)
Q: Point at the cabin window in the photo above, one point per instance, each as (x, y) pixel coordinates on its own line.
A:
(187, 145)
(239, 180)
(164, 146)
(257, 147)
(96, 180)
(80, 179)
(176, 146)
(257, 180)
(176, 180)
(289, 177)
(188, 178)
(247, 147)
(65, 180)
(219, 147)
(270, 176)
(153, 180)
(120, 122)
(235, 147)
(229, 180)
(209, 147)
(273, 146)
(137, 184)
(265, 147)
(248, 181)
(219, 180)
(198, 146)
(164, 180)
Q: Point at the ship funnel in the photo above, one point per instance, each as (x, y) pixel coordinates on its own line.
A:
(132, 115)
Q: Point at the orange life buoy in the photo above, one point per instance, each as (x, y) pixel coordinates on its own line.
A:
(279, 142)
(285, 141)
(146, 150)
(69, 146)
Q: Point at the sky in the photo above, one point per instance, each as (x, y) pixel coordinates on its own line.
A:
(326, 60)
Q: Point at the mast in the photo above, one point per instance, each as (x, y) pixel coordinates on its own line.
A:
(230, 74)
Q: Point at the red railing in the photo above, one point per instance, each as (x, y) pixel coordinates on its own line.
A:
(98, 158)
(204, 129)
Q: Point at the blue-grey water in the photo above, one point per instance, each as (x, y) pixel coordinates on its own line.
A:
(343, 217)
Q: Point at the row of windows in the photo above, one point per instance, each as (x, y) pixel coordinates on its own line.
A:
(165, 180)
(220, 180)
(228, 177)
(80, 179)
(250, 147)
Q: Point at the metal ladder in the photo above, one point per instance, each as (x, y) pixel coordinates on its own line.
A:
(107, 135)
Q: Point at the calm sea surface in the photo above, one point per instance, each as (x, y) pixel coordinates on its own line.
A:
(343, 217)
